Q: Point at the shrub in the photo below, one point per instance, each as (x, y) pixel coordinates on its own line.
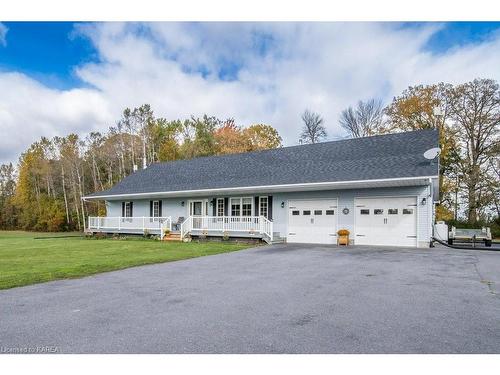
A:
(100, 236)
(343, 232)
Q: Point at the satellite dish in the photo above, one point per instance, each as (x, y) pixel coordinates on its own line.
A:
(432, 153)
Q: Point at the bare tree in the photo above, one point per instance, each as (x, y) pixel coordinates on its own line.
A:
(364, 120)
(313, 130)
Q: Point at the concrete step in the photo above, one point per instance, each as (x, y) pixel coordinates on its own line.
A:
(277, 240)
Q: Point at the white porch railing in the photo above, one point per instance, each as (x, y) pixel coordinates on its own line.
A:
(230, 224)
(122, 224)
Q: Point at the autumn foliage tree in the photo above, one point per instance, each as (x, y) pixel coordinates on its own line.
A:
(468, 119)
(475, 114)
(53, 174)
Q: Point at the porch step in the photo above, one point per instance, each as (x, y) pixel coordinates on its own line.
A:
(277, 240)
(172, 237)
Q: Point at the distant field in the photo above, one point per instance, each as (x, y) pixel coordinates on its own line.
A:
(25, 260)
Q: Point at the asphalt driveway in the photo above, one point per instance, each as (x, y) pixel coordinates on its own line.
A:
(279, 299)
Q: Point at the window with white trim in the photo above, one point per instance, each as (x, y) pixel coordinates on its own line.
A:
(156, 208)
(241, 206)
(128, 209)
(235, 206)
(220, 207)
(263, 206)
(246, 207)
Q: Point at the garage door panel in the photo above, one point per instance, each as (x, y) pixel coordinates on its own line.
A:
(388, 221)
(312, 221)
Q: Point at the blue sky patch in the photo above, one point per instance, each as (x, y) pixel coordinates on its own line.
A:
(46, 51)
(49, 51)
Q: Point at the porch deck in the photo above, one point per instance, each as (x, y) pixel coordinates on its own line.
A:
(231, 226)
(129, 225)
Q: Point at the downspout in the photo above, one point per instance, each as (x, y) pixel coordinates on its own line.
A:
(430, 209)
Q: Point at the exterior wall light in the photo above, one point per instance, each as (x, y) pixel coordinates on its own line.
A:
(182, 203)
(424, 201)
(282, 204)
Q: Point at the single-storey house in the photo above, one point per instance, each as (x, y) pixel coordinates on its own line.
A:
(380, 188)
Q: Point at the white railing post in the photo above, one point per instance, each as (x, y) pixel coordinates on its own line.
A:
(119, 222)
(143, 224)
(271, 230)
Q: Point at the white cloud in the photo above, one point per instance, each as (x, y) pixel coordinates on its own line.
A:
(3, 34)
(175, 67)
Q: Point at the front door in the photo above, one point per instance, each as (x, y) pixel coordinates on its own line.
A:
(197, 210)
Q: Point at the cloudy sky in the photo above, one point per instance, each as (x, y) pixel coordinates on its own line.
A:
(57, 78)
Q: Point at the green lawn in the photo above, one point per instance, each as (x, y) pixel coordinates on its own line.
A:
(25, 260)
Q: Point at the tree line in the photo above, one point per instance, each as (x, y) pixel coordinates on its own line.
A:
(44, 191)
(468, 119)
(53, 174)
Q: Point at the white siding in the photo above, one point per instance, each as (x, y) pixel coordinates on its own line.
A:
(173, 207)
(346, 200)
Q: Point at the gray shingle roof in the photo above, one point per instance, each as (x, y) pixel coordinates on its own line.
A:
(377, 157)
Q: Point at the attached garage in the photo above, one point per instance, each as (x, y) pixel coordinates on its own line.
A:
(312, 221)
(390, 221)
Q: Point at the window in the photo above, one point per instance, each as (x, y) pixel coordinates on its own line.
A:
(330, 212)
(407, 211)
(241, 206)
(247, 207)
(364, 211)
(128, 209)
(306, 212)
(318, 212)
(220, 207)
(263, 206)
(392, 211)
(156, 208)
(296, 213)
(235, 206)
(378, 211)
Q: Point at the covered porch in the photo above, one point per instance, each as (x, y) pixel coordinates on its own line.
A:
(129, 225)
(214, 226)
(230, 226)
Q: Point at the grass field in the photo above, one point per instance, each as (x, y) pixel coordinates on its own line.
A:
(25, 260)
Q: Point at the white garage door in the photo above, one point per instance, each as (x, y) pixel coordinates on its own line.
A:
(386, 221)
(312, 221)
